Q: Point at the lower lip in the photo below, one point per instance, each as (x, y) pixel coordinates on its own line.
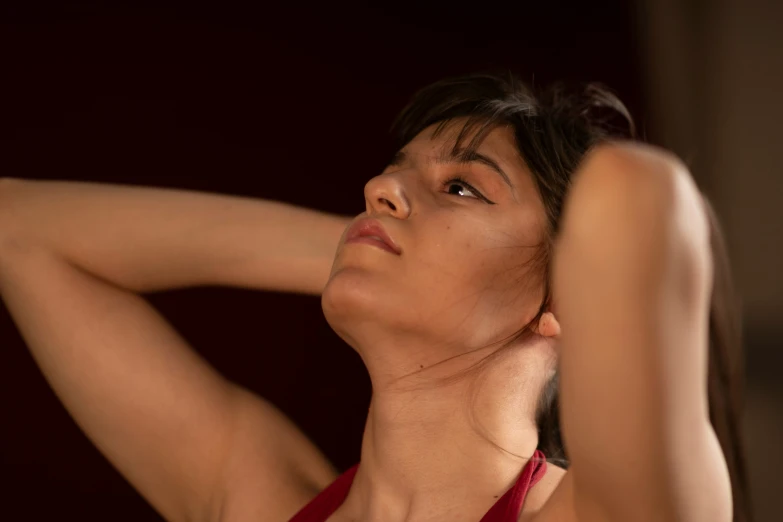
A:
(374, 242)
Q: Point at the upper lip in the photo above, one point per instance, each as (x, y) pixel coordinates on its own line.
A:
(371, 227)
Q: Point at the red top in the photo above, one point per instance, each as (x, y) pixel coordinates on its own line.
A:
(506, 509)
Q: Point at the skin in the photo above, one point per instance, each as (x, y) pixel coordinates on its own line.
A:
(460, 286)
(632, 274)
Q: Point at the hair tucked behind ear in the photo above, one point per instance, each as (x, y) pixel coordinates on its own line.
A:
(553, 132)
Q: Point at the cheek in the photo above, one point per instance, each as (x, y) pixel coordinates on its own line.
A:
(487, 273)
(460, 262)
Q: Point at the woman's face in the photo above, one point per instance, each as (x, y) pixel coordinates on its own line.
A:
(468, 229)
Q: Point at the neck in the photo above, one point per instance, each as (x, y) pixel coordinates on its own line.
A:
(428, 451)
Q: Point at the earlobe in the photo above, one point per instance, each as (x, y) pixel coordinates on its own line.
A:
(548, 326)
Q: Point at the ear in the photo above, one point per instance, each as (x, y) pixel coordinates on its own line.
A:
(548, 326)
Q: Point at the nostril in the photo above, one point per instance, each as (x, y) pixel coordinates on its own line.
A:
(389, 203)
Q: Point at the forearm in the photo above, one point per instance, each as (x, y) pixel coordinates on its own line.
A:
(147, 238)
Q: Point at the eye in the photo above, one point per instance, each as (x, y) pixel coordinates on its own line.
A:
(462, 186)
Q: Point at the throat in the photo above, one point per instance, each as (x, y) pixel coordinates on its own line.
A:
(442, 467)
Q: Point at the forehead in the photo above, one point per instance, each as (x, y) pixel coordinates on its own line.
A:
(499, 142)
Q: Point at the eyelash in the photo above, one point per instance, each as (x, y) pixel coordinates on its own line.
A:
(458, 180)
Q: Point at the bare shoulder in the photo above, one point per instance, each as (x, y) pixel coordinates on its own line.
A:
(273, 469)
(558, 500)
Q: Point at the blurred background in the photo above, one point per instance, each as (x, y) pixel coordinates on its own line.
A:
(293, 102)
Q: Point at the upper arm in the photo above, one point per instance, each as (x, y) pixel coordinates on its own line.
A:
(272, 469)
(632, 276)
(168, 421)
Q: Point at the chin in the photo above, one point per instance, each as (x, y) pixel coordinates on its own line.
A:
(353, 296)
(350, 294)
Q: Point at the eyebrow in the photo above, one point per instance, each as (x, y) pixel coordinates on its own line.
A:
(458, 156)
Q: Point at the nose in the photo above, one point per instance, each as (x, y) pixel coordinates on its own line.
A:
(385, 194)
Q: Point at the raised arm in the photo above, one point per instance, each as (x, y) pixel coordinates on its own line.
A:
(196, 446)
(145, 239)
(632, 283)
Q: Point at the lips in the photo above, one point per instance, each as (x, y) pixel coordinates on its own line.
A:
(370, 231)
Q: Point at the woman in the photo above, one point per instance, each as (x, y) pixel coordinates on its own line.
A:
(502, 221)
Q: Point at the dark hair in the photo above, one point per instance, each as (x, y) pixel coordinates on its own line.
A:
(554, 129)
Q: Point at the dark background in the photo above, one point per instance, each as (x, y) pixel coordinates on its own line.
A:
(293, 102)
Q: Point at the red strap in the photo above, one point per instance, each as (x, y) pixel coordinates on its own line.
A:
(328, 500)
(506, 509)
